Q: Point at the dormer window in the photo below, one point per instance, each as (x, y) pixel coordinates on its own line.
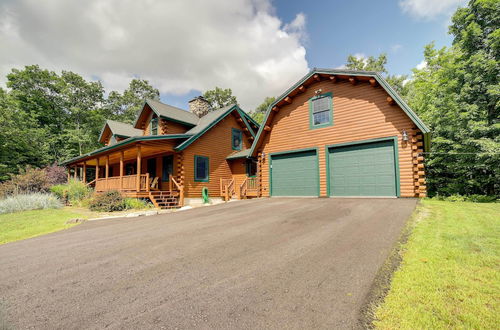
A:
(154, 126)
(236, 141)
(321, 111)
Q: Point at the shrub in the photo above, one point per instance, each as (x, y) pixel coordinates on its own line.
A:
(26, 202)
(482, 199)
(107, 202)
(456, 198)
(56, 175)
(30, 180)
(135, 203)
(72, 192)
(471, 198)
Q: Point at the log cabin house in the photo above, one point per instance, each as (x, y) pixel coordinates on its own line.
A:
(335, 133)
(341, 133)
(169, 155)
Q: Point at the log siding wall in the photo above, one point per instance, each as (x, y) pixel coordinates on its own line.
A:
(360, 112)
(216, 145)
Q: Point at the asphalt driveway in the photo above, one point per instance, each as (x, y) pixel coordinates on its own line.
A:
(268, 263)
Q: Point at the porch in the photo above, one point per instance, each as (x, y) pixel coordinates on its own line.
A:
(231, 188)
(142, 171)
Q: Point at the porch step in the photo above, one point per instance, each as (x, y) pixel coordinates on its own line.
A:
(165, 199)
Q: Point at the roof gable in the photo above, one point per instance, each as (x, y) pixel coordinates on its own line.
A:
(167, 112)
(119, 129)
(208, 121)
(312, 75)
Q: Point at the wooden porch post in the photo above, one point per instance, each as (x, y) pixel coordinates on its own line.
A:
(121, 170)
(96, 169)
(84, 179)
(107, 171)
(138, 180)
(69, 173)
(76, 172)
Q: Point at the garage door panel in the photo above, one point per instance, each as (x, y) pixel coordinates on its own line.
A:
(363, 170)
(294, 174)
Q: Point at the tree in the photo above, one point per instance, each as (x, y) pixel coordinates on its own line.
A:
(457, 95)
(219, 97)
(377, 64)
(259, 113)
(124, 107)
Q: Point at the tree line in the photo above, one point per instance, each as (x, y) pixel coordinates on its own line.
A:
(47, 117)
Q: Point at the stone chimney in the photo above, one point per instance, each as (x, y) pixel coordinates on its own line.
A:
(199, 106)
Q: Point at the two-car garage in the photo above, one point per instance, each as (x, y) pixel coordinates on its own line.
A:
(356, 169)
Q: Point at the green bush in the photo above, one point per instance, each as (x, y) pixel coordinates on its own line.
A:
(137, 204)
(26, 202)
(30, 180)
(107, 202)
(470, 198)
(73, 192)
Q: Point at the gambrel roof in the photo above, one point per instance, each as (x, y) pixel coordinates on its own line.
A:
(378, 79)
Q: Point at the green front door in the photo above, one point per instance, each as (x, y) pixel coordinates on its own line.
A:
(363, 170)
(294, 174)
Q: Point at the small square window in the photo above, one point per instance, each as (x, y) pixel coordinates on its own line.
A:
(321, 111)
(236, 140)
(201, 169)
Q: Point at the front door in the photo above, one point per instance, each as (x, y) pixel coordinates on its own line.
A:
(151, 167)
(168, 167)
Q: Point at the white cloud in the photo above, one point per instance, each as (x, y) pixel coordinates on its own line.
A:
(178, 45)
(422, 65)
(429, 9)
(396, 48)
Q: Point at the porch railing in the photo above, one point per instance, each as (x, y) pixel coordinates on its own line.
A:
(123, 183)
(175, 186)
(227, 189)
(249, 187)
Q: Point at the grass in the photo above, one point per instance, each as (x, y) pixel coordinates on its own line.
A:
(449, 277)
(26, 224)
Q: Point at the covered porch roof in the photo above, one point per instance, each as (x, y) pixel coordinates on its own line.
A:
(150, 145)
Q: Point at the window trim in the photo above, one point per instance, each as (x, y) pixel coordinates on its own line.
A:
(311, 116)
(233, 130)
(154, 119)
(207, 179)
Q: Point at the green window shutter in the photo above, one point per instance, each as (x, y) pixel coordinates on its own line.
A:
(321, 111)
(236, 139)
(201, 169)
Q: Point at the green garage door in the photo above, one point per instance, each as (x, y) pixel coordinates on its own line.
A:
(294, 174)
(363, 170)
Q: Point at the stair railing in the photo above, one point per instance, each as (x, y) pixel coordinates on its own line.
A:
(244, 188)
(174, 185)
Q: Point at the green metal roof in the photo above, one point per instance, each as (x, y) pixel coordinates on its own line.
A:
(240, 154)
(395, 96)
(120, 129)
(125, 142)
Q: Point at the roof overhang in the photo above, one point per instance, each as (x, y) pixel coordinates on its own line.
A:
(347, 73)
(123, 143)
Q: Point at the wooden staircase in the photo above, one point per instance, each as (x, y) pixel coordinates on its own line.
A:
(165, 199)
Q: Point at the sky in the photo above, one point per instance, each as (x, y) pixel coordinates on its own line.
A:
(257, 48)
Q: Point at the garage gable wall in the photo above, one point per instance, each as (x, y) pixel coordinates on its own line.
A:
(360, 112)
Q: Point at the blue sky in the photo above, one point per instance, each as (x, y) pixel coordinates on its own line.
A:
(335, 29)
(258, 48)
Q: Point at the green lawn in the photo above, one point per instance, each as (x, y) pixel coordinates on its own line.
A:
(450, 273)
(21, 225)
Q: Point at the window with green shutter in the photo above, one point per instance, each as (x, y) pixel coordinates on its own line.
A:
(201, 168)
(321, 111)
